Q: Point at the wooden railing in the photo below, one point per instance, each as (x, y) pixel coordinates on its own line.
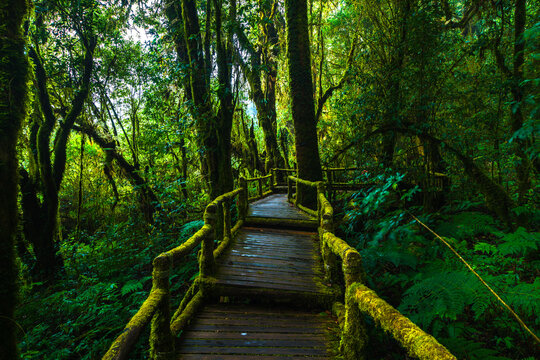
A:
(156, 308)
(343, 266)
(335, 252)
(262, 182)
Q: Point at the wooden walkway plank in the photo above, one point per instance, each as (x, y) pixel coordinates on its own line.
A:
(226, 331)
(279, 262)
(276, 206)
(272, 259)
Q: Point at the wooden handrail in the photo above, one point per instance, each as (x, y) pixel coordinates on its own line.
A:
(260, 190)
(417, 342)
(360, 299)
(304, 182)
(285, 170)
(259, 178)
(156, 306)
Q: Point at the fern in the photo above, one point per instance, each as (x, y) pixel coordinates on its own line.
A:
(525, 298)
(189, 229)
(467, 225)
(131, 286)
(440, 295)
(519, 242)
(470, 350)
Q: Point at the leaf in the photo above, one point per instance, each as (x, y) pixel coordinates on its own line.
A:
(131, 286)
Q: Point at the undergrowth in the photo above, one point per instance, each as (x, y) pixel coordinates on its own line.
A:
(108, 276)
(421, 277)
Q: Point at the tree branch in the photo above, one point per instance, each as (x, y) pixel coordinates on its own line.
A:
(345, 77)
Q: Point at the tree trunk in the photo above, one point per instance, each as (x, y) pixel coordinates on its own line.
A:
(263, 95)
(213, 128)
(13, 96)
(393, 101)
(301, 93)
(51, 172)
(523, 165)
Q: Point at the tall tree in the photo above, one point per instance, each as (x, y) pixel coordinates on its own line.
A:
(261, 73)
(214, 122)
(40, 189)
(515, 76)
(301, 94)
(13, 97)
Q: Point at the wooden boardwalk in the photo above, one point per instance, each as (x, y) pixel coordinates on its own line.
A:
(281, 264)
(276, 207)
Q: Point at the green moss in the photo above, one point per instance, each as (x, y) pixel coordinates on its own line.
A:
(187, 314)
(123, 344)
(307, 210)
(417, 343)
(353, 335)
(294, 223)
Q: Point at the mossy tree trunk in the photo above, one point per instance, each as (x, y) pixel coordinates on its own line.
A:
(301, 93)
(13, 97)
(523, 165)
(515, 77)
(261, 73)
(42, 215)
(392, 111)
(213, 125)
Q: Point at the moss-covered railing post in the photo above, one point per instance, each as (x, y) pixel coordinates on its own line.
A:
(243, 198)
(207, 262)
(227, 218)
(296, 202)
(329, 181)
(326, 225)
(260, 187)
(218, 228)
(161, 339)
(289, 188)
(273, 179)
(354, 336)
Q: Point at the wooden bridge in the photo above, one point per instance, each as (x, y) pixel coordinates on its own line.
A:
(278, 284)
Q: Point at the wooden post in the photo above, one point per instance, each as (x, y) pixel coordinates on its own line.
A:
(259, 181)
(161, 339)
(353, 338)
(227, 218)
(320, 191)
(297, 192)
(354, 335)
(219, 222)
(243, 198)
(329, 258)
(330, 180)
(353, 270)
(273, 181)
(207, 262)
(289, 188)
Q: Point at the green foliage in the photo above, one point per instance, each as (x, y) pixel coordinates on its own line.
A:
(427, 282)
(107, 279)
(467, 224)
(519, 243)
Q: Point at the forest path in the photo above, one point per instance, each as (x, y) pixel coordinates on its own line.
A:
(275, 276)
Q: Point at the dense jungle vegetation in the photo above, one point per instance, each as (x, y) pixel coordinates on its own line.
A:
(120, 120)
